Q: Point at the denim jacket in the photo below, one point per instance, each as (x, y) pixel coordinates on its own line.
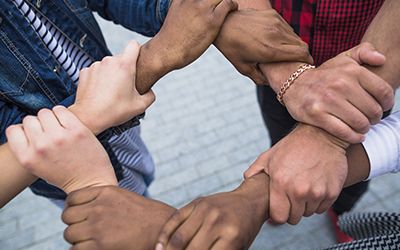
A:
(30, 76)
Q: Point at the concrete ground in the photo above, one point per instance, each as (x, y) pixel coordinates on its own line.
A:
(204, 131)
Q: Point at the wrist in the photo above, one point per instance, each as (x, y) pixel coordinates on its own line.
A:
(152, 64)
(256, 191)
(315, 132)
(278, 73)
(75, 186)
(85, 118)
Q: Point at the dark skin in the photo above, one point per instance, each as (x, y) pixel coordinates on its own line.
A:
(112, 218)
(192, 26)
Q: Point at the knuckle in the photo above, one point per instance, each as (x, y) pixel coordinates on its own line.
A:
(232, 231)
(376, 112)
(214, 214)
(318, 194)
(98, 211)
(315, 109)
(339, 84)
(279, 218)
(107, 60)
(301, 192)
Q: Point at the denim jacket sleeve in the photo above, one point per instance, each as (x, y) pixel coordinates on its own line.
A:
(10, 114)
(143, 16)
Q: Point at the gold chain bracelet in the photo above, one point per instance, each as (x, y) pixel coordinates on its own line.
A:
(286, 85)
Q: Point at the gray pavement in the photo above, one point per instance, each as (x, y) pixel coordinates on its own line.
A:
(204, 131)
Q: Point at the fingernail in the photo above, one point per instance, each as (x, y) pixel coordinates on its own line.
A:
(159, 246)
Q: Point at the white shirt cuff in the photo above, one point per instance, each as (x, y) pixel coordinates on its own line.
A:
(382, 146)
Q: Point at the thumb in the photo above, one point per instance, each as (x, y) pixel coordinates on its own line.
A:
(146, 100)
(131, 54)
(365, 53)
(259, 165)
(223, 8)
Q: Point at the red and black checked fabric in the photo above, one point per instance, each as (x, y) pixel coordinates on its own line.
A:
(328, 26)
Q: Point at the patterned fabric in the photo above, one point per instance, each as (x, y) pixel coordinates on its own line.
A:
(370, 231)
(366, 225)
(328, 26)
(385, 242)
(70, 56)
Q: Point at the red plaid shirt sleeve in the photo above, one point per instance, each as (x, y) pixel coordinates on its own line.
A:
(328, 26)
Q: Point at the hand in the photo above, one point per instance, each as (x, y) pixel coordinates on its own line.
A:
(221, 221)
(190, 27)
(58, 148)
(341, 96)
(107, 94)
(250, 37)
(307, 169)
(112, 218)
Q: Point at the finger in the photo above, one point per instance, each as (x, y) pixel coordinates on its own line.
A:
(223, 8)
(182, 236)
(329, 199)
(32, 128)
(66, 118)
(147, 99)
(259, 165)
(85, 245)
(76, 214)
(78, 232)
(338, 128)
(177, 219)
(279, 205)
(324, 206)
(367, 105)
(49, 121)
(365, 53)
(204, 239)
(131, 53)
(17, 140)
(378, 88)
(297, 208)
(353, 117)
(311, 208)
(83, 196)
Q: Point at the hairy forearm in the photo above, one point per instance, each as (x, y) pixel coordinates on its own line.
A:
(14, 177)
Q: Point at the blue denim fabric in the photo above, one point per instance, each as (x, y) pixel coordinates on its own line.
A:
(32, 79)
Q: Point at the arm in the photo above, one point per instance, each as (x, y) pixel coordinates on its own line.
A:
(383, 34)
(102, 89)
(222, 215)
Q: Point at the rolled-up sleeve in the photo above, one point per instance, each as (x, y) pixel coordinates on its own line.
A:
(143, 16)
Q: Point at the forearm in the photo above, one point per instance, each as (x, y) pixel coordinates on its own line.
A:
(384, 34)
(256, 189)
(14, 177)
(153, 63)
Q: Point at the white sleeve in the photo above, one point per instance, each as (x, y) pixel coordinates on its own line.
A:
(382, 145)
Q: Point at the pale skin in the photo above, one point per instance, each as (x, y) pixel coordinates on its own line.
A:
(90, 100)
